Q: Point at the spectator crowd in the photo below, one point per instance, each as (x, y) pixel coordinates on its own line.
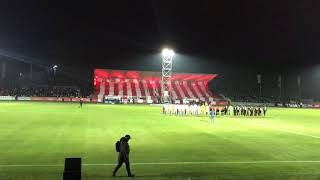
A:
(42, 91)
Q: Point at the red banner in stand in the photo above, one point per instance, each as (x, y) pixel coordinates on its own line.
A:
(44, 99)
(316, 105)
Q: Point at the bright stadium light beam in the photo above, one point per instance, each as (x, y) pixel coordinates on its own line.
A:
(55, 67)
(168, 53)
(167, 57)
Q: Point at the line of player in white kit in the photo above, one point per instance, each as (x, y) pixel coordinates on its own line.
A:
(186, 109)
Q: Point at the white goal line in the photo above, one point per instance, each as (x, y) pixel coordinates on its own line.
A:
(162, 163)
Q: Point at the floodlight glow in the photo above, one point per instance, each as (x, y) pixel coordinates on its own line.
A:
(167, 52)
(55, 67)
(167, 57)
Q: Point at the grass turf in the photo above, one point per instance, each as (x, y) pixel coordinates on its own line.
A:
(255, 147)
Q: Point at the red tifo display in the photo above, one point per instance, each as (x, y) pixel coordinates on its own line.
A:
(108, 82)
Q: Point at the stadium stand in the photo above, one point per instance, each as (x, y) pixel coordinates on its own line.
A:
(147, 85)
(42, 91)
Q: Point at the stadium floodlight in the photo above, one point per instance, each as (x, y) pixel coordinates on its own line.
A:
(167, 57)
(167, 53)
(55, 67)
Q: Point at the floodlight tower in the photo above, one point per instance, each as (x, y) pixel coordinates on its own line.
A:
(167, 56)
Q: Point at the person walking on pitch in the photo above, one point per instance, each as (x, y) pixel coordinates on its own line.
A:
(81, 102)
(123, 148)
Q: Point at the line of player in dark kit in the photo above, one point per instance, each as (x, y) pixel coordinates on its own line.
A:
(240, 110)
(249, 110)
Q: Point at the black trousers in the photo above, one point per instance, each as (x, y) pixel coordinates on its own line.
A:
(120, 162)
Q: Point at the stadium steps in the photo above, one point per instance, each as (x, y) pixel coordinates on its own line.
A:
(176, 94)
(97, 87)
(183, 95)
(101, 89)
(133, 89)
(194, 86)
(190, 86)
(150, 88)
(107, 88)
(202, 94)
(158, 88)
(125, 89)
(185, 91)
(136, 84)
(186, 85)
(101, 92)
(145, 87)
(116, 88)
(111, 92)
(205, 89)
(129, 90)
(120, 88)
(141, 87)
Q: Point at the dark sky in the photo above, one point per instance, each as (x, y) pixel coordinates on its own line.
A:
(123, 34)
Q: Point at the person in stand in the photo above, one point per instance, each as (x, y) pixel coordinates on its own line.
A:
(123, 157)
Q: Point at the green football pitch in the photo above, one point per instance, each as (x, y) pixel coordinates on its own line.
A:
(36, 137)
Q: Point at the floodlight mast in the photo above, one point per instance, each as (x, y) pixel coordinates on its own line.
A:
(167, 56)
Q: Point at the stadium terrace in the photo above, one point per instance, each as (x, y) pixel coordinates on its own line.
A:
(146, 85)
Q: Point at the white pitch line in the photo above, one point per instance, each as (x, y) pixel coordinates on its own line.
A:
(208, 162)
(162, 163)
(292, 132)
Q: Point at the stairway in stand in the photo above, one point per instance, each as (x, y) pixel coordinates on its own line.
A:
(182, 93)
(133, 89)
(125, 89)
(145, 87)
(107, 88)
(111, 92)
(202, 94)
(116, 88)
(120, 88)
(184, 89)
(141, 88)
(190, 86)
(175, 92)
(101, 91)
(136, 85)
(129, 87)
(204, 89)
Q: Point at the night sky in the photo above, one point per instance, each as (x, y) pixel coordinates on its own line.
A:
(130, 34)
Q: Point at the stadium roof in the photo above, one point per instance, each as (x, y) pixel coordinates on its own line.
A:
(149, 75)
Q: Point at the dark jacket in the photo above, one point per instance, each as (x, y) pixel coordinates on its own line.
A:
(124, 148)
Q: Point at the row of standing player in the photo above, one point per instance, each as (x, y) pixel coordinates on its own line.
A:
(205, 109)
(187, 109)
